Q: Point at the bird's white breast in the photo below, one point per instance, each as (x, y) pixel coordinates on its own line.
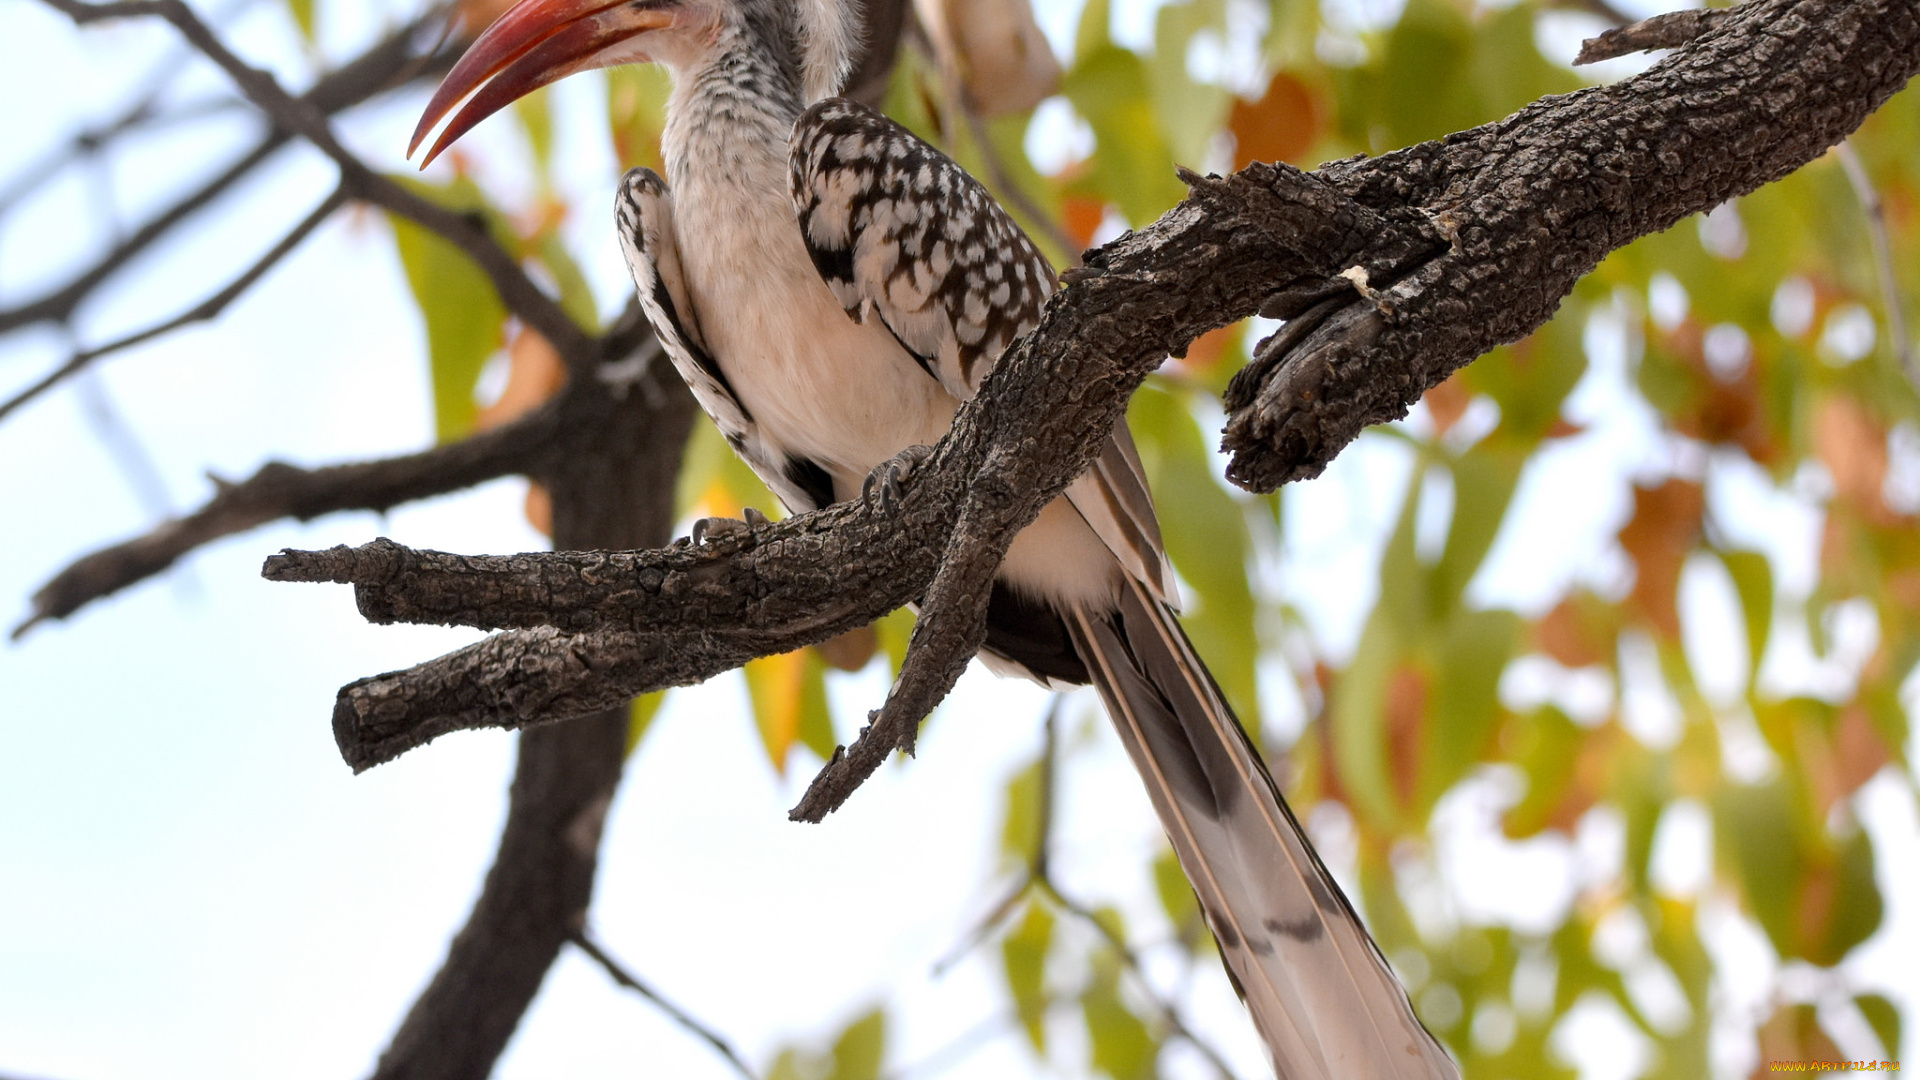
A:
(818, 385)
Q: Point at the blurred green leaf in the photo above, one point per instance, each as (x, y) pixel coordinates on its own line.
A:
(1206, 535)
(1466, 704)
(1020, 837)
(1123, 1048)
(640, 714)
(576, 297)
(789, 696)
(303, 18)
(1884, 1017)
(1132, 166)
(1189, 111)
(1177, 900)
(637, 113)
(1753, 581)
(535, 113)
(465, 320)
(1484, 479)
(1023, 953)
(861, 1049)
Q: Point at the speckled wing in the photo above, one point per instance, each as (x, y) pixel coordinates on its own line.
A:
(645, 211)
(901, 233)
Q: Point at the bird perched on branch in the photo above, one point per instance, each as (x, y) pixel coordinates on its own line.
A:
(831, 287)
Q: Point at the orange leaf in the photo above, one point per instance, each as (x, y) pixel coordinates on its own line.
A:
(1282, 126)
(1665, 523)
(1406, 709)
(1081, 217)
(1571, 633)
(1853, 447)
(1204, 352)
(849, 651)
(539, 508)
(535, 373)
(1447, 403)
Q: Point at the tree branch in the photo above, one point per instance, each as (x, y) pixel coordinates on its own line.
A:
(300, 116)
(1406, 267)
(206, 309)
(1668, 31)
(621, 975)
(385, 65)
(1876, 212)
(280, 490)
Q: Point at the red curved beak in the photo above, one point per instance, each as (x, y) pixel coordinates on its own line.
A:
(535, 43)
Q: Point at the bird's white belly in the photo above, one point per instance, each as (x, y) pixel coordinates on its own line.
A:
(821, 386)
(843, 394)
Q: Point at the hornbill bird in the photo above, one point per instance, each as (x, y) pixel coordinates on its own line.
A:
(831, 287)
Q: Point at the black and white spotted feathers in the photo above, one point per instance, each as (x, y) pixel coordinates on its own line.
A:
(898, 230)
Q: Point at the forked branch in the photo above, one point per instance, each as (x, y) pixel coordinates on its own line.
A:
(1403, 267)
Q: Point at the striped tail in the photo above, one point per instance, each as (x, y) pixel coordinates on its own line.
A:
(1321, 995)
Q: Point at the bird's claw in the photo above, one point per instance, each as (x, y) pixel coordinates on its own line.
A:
(888, 480)
(717, 527)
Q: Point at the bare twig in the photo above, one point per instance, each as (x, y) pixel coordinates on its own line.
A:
(384, 65)
(60, 304)
(1869, 197)
(524, 298)
(1039, 876)
(1004, 186)
(1602, 8)
(206, 309)
(625, 978)
(279, 490)
(1668, 31)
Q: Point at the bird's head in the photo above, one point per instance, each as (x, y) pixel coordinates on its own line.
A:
(543, 41)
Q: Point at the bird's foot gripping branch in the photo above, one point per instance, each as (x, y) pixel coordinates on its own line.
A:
(1392, 272)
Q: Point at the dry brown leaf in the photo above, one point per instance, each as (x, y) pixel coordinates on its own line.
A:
(1282, 126)
(1664, 526)
(1853, 447)
(849, 651)
(994, 51)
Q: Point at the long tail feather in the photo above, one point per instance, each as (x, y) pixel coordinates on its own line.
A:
(1321, 995)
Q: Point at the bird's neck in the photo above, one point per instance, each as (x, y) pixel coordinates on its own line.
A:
(731, 114)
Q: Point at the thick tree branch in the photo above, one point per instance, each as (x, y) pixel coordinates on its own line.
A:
(611, 471)
(1403, 268)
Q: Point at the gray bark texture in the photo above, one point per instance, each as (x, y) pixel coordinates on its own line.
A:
(1391, 272)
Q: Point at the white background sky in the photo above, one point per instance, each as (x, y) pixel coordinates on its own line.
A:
(191, 884)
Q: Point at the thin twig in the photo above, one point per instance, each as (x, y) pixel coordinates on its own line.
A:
(279, 490)
(1876, 213)
(524, 298)
(1668, 31)
(388, 63)
(60, 304)
(956, 1050)
(209, 308)
(1169, 1012)
(1595, 7)
(1039, 876)
(1010, 192)
(674, 1012)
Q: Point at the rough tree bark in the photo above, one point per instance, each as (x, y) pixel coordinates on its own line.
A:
(612, 483)
(1392, 272)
